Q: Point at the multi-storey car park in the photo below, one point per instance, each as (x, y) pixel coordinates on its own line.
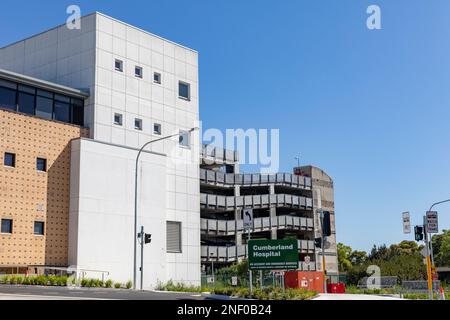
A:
(282, 206)
(76, 106)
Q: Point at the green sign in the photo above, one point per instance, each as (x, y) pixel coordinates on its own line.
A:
(273, 254)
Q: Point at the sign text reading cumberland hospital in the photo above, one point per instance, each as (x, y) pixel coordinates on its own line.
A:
(273, 254)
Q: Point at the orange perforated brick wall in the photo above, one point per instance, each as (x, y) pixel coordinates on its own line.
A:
(27, 195)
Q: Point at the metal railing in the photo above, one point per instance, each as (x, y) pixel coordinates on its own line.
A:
(230, 227)
(255, 201)
(232, 253)
(220, 155)
(256, 179)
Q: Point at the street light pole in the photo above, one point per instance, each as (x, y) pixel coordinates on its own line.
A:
(429, 245)
(135, 233)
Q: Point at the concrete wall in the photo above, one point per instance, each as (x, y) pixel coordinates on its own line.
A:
(102, 210)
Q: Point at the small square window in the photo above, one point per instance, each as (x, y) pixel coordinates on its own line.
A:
(138, 124)
(41, 164)
(9, 160)
(157, 128)
(118, 119)
(184, 138)
(184, 90)
(118, 65)
(138, 72)
(7, 226)
(39, 228)
(157, 77)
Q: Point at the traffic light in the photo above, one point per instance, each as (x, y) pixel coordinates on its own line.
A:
(318, 242)
(326, 224)
(147, 238)
(418, 232)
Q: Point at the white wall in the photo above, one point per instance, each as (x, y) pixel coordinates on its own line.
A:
(124, 93)
(102, 210)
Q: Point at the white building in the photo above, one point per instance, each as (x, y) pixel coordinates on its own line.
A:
(141, 87)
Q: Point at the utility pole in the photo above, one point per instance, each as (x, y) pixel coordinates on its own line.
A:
(427, 247)
(142, 256)
(249, 270)
(323, 254)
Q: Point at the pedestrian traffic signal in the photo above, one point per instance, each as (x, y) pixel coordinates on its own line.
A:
(326, 224)
(318, 242)
(418, 232)
(147, 238)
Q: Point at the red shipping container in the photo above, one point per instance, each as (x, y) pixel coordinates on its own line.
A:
(336, 287)
(310, 280)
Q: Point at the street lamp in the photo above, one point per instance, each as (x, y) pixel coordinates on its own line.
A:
(135, 234)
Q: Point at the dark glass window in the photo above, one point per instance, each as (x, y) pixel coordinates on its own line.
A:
(157, 128)
(62, 111)
(7, 226)
(9, 159)
(26, 103)
(39, 228)
(138, 72)
(183, 90)
(118, 119)
(138, 124)
(157, 77)
(41, 164)
(77, 112)
(44, 107)
(118, 65)
(7, 98)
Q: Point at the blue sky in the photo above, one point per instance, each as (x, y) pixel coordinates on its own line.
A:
(369, 107)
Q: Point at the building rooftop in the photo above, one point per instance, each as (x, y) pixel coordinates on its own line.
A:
(109, 17)
(42, 84)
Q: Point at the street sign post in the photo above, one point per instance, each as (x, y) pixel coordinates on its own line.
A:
(247, 216)
(406, 222)
(273, 254)
(432, 222)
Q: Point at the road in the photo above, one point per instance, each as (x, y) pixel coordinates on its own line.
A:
(323, 296)
(9, 292)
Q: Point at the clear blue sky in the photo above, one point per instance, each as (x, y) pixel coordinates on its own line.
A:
(369, 107)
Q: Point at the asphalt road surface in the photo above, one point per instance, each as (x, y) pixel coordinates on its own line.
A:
(8, 292)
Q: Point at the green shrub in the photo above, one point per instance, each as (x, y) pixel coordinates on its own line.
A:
(117, 285)
(108, 283)
(129, 284)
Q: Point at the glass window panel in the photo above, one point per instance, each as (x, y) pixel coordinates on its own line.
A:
(7, 98)
(44, 107)
(77, 112)
(9, 159)
(26, 103)
(183, 90)
(46, 94)
(27, 89)
(7, 225)
(39, 228)
(8, 84)
(62, 98)
(41, 164)
(62, 111)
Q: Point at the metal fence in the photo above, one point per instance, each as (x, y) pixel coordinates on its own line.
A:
(261, 279)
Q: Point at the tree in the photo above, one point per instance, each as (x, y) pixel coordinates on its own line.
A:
(344, 252)
(358, 257)
(441, 248)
